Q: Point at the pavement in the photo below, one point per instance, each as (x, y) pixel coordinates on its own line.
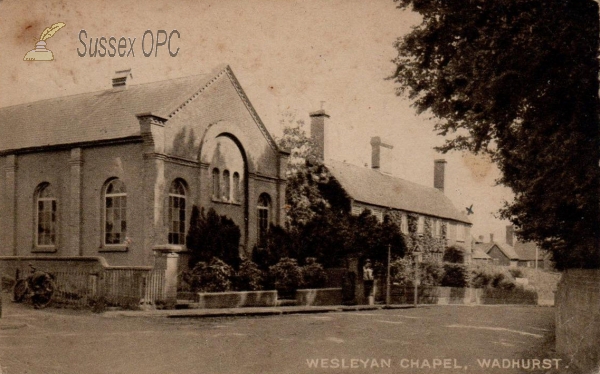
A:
(248, 311)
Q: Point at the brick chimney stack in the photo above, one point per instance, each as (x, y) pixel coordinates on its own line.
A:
(380, 155)
(439, 169)
(491, 238)
(317, 132)
(510, 235)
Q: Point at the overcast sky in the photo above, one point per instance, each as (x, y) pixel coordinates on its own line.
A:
(289, 56)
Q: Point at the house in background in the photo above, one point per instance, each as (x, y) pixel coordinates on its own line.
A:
(501, 253)
(478, 255)
(530, 255)
(432, 213)
(115, 173)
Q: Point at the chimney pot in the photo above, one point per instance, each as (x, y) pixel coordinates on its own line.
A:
(439, 169)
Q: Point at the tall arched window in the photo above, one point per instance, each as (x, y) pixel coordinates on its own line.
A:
(263, 211)
(236, 187)
(177, 207)
(226, 186)
(46, 216)
(115, 213)
(216, 187)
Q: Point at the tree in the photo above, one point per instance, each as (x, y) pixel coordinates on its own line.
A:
(211, 235)
(517, 80)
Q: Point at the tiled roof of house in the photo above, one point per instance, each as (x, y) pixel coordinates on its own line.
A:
(101, 115)
(478, 254)
(527, 251)
(508, 250)
(372, 187)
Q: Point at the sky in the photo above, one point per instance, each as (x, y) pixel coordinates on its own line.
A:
(291, 57)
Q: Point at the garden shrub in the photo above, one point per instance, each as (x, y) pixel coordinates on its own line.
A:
(213, 276)
(490, 276)
(454, 254)
(286, 275)
(481, 278)
(212, 235)
(403, 272)
(455, 275)
(431, 273)
(249, 277)
(516, 273)
(313, 274)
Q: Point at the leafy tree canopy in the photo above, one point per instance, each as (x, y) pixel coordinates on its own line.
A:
(517, 80)
(318, 220)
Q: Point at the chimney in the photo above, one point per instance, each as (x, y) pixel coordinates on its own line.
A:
(380, 155)
(491, 238)
(439, 169)
(510, 235)
(317, 131)
(480, 239)
(119, 80)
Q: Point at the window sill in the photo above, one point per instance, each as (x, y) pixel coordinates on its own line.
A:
(51, 249)
(218, 201)
(113, 248)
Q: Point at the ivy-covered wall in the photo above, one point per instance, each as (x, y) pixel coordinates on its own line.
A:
(431, 246)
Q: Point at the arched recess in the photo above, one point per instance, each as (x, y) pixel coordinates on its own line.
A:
(220, 145)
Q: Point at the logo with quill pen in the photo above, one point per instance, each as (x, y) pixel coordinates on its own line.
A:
(40, 53)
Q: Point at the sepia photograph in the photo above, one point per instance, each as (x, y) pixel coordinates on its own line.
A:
(299, 186)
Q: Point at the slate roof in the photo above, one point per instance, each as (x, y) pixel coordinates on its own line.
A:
(526, 251)
(372, 187)
(101, 115)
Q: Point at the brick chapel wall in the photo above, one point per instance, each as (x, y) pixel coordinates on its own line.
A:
(191, 134)
(32, 170)
(578, 319)
(125, 162)
(219, 102)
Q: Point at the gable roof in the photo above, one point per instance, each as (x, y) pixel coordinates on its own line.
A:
(527, 251)
(478, 254)
(372, 187)
(107, 114)
(506, 249)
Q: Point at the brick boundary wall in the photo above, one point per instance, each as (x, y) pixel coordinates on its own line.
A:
(578, 319)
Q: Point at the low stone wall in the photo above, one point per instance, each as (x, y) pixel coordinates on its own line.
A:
(237, 299)
(578, 318)
(436, 295)
(455, 295)
(514, 296)
(319, 297)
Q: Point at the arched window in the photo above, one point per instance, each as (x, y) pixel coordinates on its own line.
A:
(46, 216)
(115, 213)
(177, 207)
(226, 186)
(263, 211)
(236, 187)
(216, 193)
